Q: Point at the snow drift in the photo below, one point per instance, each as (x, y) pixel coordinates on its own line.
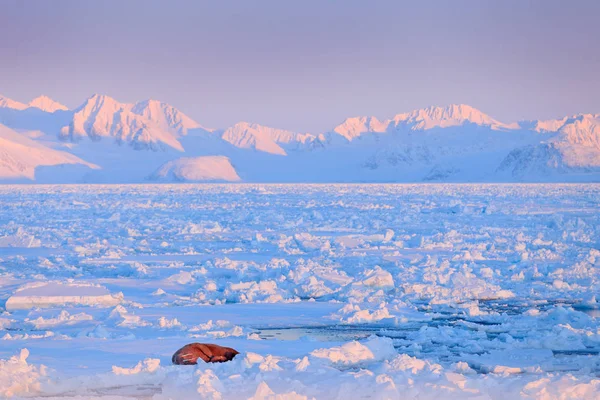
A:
(197, 169)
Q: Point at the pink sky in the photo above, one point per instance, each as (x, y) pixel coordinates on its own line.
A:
(307, 65)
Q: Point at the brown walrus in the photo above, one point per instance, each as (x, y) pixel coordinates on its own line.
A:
(210, 353)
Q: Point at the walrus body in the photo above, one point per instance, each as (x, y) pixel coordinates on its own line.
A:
(210, 353)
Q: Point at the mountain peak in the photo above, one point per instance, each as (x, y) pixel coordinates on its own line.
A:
(263, 138)
(442, 117)
(248, 135)
(5, 102)
(420, 120)
(165, 116)
(102, 116)
(45, 103)
(353, 127)
(247, 125)
(152, 104)
(98, 105)
(97, 97)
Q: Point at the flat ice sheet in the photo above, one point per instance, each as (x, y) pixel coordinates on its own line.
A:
(57, 294)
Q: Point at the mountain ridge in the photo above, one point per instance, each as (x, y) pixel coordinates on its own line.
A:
(102, 116)
(455, 142)
(420, 120)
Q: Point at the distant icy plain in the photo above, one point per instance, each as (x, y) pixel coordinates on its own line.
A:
(427, 291)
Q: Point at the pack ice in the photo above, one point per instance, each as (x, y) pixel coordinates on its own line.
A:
(437, 291)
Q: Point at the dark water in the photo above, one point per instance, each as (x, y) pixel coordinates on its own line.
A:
(461, 337)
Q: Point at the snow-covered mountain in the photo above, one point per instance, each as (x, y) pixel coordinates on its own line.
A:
(568, 146)
(20, 157)
(102, 116)
(42, 102)
(582, 130)
(420, 120)
(5, 102)
(166, 117)
(457, 142)
(245, 135)
(45, 103)
(453, 143)
(461, 143)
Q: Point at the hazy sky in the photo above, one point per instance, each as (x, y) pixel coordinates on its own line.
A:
(307, 65)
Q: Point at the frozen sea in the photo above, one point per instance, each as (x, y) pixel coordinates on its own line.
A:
(328, 291)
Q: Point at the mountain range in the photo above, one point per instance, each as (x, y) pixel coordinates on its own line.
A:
(106, 141)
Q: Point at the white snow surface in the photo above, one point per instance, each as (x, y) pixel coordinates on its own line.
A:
(437, 291)
(197, 169)
(21, 157)
(53, 294)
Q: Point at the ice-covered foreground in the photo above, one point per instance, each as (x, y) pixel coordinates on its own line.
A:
(328, 292)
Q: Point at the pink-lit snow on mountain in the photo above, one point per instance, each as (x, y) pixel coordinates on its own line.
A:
(263, 138)
(102, 116)
(167, 117)
(420, 120)
(453, 143)
(20, 156)
(45, 103)
(5, 102)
